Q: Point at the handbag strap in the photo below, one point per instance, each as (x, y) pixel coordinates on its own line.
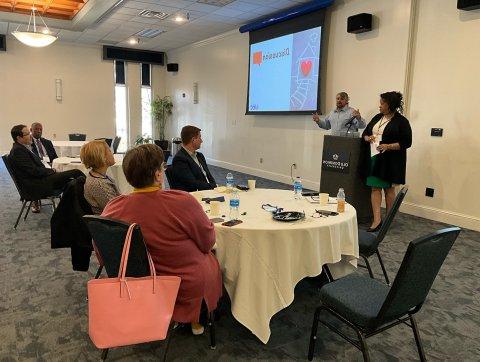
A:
(125, 252)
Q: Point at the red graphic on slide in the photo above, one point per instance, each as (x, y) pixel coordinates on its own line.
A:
(257, 58)
(306, 66)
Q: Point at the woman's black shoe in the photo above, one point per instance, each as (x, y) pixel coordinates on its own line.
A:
(375, 229)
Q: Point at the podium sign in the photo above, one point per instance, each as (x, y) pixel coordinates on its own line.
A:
(336, 160)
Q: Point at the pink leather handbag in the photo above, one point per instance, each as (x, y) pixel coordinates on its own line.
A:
(124, 311)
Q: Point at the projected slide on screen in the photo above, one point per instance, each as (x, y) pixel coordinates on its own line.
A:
(284, 73)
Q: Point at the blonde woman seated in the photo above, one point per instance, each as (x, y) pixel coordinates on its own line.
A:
(99, 188)
(177, 232)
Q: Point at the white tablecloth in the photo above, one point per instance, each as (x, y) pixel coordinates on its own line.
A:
(68, 148)
(262, 259)
(115, 171)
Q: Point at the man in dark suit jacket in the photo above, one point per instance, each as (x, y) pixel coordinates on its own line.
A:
(189, 168)
(41, 146)
(36, 180)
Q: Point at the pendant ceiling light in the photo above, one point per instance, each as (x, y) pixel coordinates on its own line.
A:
(35, 38)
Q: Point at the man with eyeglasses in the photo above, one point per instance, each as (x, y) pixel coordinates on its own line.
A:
(37, 180)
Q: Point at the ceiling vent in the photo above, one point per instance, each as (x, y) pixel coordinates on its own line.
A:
(149, 33)
(215, 2)
(153, 14)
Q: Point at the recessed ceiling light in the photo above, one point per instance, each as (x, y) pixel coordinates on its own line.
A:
(133, 41)
(181, 17)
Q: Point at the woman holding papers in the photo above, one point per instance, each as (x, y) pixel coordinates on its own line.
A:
(386, 139)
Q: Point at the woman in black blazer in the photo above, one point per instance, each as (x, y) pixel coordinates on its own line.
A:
(389, 134)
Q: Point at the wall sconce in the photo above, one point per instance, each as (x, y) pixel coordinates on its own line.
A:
(58, 89)
(195, 93)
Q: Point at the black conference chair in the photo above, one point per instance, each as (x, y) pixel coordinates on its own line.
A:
(115, 143)
(108, 141)
(163, 144)
(368, 242)
(24, 197)
(370, 307)
(108, 236)
(77, 137)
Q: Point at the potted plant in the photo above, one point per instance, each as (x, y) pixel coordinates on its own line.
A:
(161, 110)
(143, 139)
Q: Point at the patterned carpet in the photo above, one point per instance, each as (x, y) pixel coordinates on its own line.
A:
(43, 310)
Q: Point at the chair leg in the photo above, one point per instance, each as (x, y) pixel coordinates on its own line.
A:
(20, 215)
(99, 271)
(383, 268)
(328, 273)
(167, 344)
(363, 345)
(418, 341)
(104, 354)
(28, 209)
(211, 324)
(369, 268)
(313, 334)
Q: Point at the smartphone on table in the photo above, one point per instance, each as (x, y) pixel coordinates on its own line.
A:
(232, 222)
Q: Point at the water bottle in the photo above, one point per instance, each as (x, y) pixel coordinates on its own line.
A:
(229, 182)
(297, 187)
(341, 200)
(234, 205)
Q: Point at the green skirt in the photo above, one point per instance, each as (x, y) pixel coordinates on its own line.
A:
(374, 181)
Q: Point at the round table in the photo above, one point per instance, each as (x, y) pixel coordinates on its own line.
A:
(68, 148)
(262, 259)
(115, 171)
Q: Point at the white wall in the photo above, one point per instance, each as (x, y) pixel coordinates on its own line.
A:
(27, 83)
(442, 93)
(27, 91)
(445, 94)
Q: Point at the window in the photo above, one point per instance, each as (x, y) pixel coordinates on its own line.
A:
(147, 125)
(121, 124)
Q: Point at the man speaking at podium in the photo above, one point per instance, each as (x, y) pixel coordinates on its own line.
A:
(342, 119)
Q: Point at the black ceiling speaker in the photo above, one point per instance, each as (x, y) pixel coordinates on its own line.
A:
(468, 4)
(172, 67)
(3, 43)
(359, 23)
(133, 55)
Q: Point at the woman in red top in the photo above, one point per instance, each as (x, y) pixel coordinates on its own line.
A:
(177, 232)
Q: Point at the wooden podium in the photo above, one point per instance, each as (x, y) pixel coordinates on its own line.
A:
(340, 161)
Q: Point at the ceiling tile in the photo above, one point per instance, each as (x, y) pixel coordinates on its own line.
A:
(228, 12)
(242, 5)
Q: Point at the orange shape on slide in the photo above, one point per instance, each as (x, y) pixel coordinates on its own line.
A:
(257, 58)
(306, 66)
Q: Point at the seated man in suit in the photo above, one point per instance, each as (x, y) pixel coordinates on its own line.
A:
(189, 167)
(41, 146)
(37, 180)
